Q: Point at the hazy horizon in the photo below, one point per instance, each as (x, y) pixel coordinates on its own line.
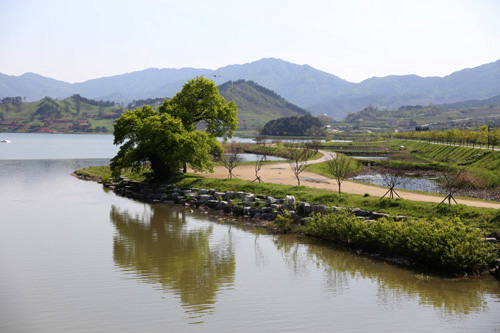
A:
(214, 69)
(75, 41)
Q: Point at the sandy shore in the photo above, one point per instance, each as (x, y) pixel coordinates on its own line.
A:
(281, 173)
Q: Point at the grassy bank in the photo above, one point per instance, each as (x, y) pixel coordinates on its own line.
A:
(483, 164)
(488, 219)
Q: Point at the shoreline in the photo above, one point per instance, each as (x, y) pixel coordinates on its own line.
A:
(262, 210)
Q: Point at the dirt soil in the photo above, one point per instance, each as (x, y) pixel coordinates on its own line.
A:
(281, 173)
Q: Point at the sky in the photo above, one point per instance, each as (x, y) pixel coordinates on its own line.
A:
(73, 40)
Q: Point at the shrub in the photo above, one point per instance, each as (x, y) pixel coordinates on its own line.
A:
(439, 244)
(284, 222)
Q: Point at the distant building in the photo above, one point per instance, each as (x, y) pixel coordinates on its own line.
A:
(422, 128)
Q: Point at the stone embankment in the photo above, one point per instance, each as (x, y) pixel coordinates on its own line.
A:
(257, 206)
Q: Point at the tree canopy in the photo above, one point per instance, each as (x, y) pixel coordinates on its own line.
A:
(294, 126)
(168, 139)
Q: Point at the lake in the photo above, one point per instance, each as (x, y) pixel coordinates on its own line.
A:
(75, 257)
(410, 183)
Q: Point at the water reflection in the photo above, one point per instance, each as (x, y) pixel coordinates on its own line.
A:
(159, 245)
(453, 297)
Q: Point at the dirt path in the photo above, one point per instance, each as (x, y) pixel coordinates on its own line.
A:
(281, 173)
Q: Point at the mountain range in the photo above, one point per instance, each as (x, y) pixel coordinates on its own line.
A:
(314, 90)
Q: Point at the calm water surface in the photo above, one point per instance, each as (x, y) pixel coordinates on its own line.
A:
(406, 182)
(76, 258)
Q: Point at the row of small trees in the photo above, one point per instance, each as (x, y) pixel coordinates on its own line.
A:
(485, 136)
(338, 165)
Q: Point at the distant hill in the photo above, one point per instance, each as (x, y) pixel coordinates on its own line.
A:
(474, 103)
(465, 115)
(75, 114)
(257, 105)
(314, 90)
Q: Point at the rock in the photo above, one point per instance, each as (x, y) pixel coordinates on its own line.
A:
(322, 209)
(219, 195)
(290, 200)
(221, 205)
(203, 191)
(377, 215)
(188, 192)
(229, 195)
(272, 200)
(248, 198)
(267, 217)
(246, 210)
(180, 199)
(212, 203)
(204, 198)
(266, 210)
(361, 213)
(237, 210)
(254, 211)
(195, 203)
(305, 207)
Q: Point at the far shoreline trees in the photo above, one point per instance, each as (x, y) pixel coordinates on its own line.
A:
(306, 125)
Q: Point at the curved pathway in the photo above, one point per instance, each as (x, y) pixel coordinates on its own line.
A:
(281, 173)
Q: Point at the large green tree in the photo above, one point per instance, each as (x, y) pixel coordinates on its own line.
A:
(168, 139)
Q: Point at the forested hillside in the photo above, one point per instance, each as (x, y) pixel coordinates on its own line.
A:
(306, 125)
(256, 104)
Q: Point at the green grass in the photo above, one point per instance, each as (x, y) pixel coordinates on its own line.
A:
(483, 165)
(322, 168)
(100, 172)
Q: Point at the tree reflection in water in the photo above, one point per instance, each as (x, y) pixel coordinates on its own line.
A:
(454, 297)
(159, 246)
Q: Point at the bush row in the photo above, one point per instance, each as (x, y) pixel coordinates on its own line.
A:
(435, 243)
